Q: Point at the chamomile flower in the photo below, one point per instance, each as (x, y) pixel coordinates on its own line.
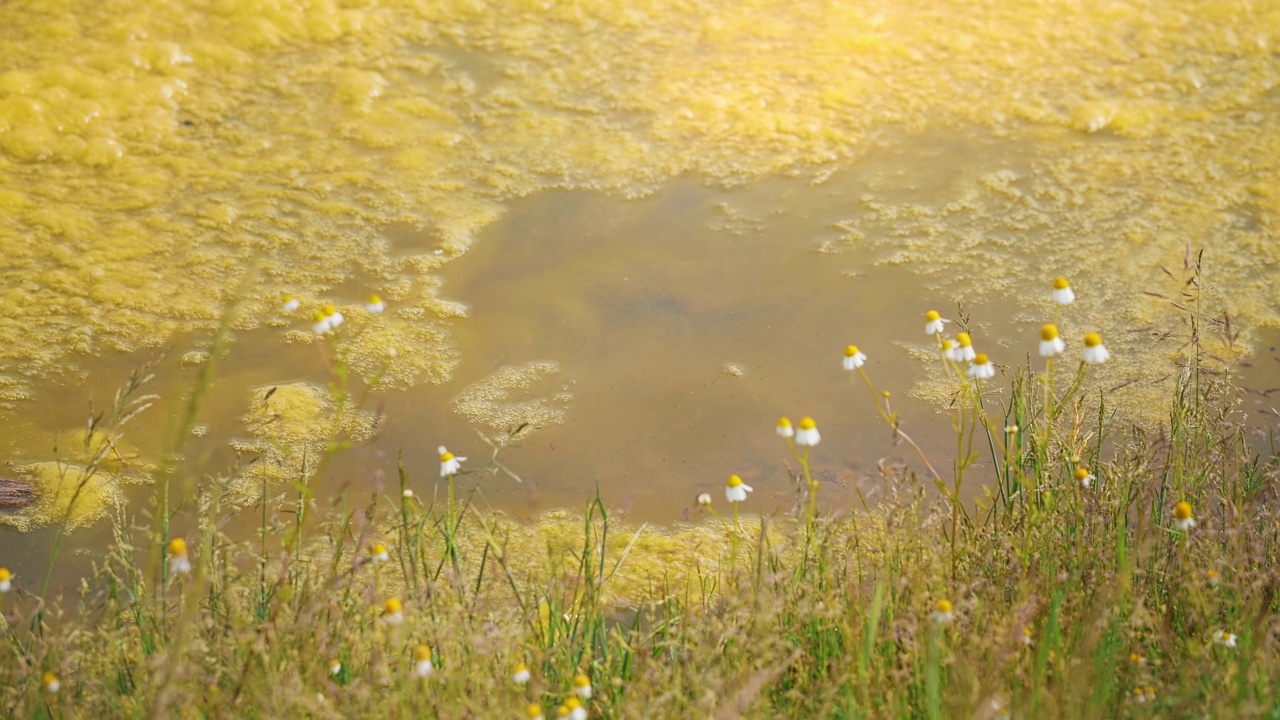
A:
(1143, 695)
(981, 368)
(378, 554)
(784, 428)
(406, 493)
(375, 304)
(179, 561)
(1212, 577)
(1062, 293)
(333, 316)
(1182, 516)
(6, 580)
(449, 465)
(808, 432)
(933, 322)
(534, 712)
(942, 613)
(1094, 352)
(965, 350)
(1011, 429)
(335, 666)
(50, 683)
(853, 358)
(949, 349)
(1225, 639)
(1084, 478)
(1027, 641)
(582, 687)
(521, 675)
(572, 710)
(735, 490)
(704, 499)
(422, 661)
(393, 611)
(1050, 343)
(321, 325)
(290, 304)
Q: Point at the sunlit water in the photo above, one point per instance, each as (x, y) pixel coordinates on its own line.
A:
(641, 234)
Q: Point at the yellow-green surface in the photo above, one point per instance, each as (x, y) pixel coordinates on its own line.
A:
(158, 161)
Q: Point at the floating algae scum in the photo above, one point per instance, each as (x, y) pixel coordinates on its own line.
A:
(645, 230)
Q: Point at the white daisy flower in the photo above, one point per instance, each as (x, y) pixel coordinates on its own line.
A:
(179, 561)
(422, 661)
(965, 350)
(942, 613)
(378, 553)
(50, 683)
(335, 666)
(572, 710)
(933, 323)
(808, 432)
(393, 612)
(290, 304)
(449, 465)
(1062, 293)
(1084, 478)
(375, 304)
(1026, 636)
(704, 499)
(981, 368)
(6, 580)
(949, 349)
(1225, 639)
(853, 358)
(322, 324)
(1094, 352)
(521, 676)
(735, 490)
(784, 428)
(406, 493)
(1050, 343)
(1182, 516)
(582, 687)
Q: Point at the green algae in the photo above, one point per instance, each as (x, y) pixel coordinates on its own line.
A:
(507, 402)
(291, 429)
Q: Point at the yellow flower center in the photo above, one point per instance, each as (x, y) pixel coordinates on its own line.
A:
(572, 703)
(582, 680)
(1182, 510)
(178, 546)
(1135, 658)
(334, 664)
(1061, 284)
(944, 606)
(374, 299)
(784, 422)
(1049, 332)
(393, 606)
(947, 344)
(446, 456)
(329, 310)
(5, 574)
(422, 653)
(981, 359)
(379, 549)
(1092, 340)
(733, 481)
(807, 423)
(963, 339)
(851, 350)
(533, 711)
(49, 679)
(1081, 473)
(932, 315)
(318, 316)
(521, 667)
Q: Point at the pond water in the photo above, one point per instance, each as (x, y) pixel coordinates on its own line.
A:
(641, 231)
